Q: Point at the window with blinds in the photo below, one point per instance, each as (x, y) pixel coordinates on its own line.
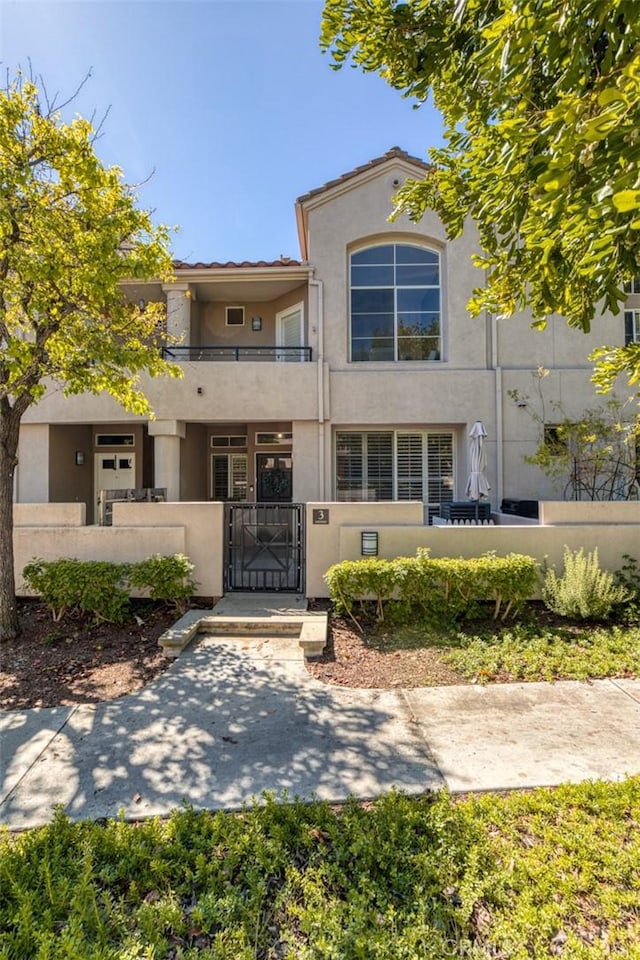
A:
(440, 483)
(395, 465)
(631, 327)
(229, 476)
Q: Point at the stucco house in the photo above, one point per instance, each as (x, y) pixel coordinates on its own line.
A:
(353, 373)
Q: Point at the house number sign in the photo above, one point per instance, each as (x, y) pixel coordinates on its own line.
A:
(320, 516)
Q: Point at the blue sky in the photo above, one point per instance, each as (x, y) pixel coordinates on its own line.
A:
(227, 105)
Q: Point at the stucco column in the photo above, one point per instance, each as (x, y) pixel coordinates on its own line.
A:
(179, 297)
(32, 473)
(167, 435)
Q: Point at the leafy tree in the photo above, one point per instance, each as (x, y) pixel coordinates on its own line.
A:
(541, 106)
(593, 458)
(70, 232)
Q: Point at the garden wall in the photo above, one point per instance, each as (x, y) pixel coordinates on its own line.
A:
(54, 530)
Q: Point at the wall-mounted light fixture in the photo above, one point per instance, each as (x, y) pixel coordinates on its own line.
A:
(79, 458)
(199, 391)
(256, 323)
(142, 303)
(369, 543)
(521, 403)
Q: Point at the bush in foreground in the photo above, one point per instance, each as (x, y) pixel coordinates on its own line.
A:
(399, 879)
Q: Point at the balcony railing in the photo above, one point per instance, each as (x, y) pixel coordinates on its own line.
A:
(265, 353)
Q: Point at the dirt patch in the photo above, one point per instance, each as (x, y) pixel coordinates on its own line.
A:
(354, 659)
(53, 664)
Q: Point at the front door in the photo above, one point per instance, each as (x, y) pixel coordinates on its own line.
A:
(115, 471)
(289, 334)
(274, 478)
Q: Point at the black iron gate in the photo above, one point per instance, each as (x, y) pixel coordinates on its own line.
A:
(264, 547)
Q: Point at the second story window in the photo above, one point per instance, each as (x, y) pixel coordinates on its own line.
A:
(395, 303)
(631, 326)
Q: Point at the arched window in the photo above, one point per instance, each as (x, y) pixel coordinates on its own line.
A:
(395, 303)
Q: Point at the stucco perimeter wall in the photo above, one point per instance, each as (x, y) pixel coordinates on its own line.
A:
(400, 536)
(55, 530)
(592, 511)
(117, 544)
(324, 539)
(201, 525)
(49, 514)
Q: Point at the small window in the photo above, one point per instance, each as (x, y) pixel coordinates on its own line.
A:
(125, 463)
(229, 440)
(632, 286)
(272, 439)
(631, 327)
(235, 316)
(115, 440)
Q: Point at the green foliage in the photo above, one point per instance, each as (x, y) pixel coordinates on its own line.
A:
(594, 458)
(526, 652)
(101, 589)
(70, 233)
(165, 578)
(443, 589)
(540, 149)
(89, 587)
(628, 577)
(402, 878)
(360, 580)
(583, 590)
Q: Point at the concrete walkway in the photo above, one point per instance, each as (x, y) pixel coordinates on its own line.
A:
(231, 718)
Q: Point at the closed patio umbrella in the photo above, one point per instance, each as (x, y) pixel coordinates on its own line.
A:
(477, 486)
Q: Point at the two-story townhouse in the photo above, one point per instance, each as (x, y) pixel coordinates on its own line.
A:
(355, 373)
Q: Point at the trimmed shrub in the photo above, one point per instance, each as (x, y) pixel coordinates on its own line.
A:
(101, 589)
(360, 581)
(166, 578)
(444, 589)
(90, 587)
(583, 590)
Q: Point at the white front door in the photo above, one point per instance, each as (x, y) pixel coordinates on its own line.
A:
(115, 471)
(289, 333)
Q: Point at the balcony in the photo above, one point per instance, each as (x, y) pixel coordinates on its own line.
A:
(239, 353)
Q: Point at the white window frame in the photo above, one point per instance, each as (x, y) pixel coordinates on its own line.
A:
(226, 316)
(224, 441)
(396, 434)
(283, 438)
(127, 445)
(439, 286)
(634, 315)
(230, 458)
(281, 318)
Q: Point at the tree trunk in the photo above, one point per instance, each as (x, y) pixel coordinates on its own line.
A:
(9, 431)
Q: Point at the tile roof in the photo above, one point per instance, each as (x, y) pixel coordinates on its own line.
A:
(233, 264)
(395, 153)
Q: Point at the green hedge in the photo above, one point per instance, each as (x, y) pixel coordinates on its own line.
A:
(101, 589)
(435, 588)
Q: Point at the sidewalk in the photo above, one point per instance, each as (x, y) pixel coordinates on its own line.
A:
(231, 718)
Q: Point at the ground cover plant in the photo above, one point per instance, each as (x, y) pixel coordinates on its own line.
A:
(532, 875)
(540, 646)
(419, 621)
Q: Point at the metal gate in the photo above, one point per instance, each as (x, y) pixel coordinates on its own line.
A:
(264, 547)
